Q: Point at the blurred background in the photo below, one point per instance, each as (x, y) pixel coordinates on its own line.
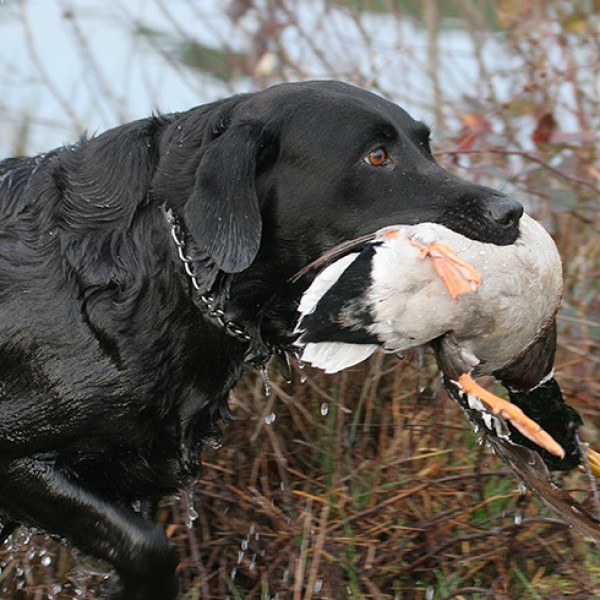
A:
(367, 484)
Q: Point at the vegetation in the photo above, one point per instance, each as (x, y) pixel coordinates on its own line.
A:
(370, 484)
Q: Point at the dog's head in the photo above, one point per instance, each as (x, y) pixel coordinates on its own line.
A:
(267, 182)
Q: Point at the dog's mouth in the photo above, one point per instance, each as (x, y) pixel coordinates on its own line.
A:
(495, 220)
(501, 229)
(500, 235)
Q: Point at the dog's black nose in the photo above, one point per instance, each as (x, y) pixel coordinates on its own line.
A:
(504, 211)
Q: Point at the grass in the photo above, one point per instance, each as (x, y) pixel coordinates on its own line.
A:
(387, 496)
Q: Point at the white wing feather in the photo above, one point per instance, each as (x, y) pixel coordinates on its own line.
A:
(323, 283)
(330, 356)
(336, 356)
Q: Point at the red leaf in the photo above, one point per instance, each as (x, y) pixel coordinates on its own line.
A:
(544, 129)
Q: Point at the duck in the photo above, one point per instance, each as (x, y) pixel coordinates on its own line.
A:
(484, 309)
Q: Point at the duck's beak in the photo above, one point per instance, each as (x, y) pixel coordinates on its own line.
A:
(518, 419)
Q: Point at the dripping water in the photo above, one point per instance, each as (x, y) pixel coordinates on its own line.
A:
(191, 514)
(266, 380)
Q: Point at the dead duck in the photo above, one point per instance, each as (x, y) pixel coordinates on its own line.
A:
(485, 310)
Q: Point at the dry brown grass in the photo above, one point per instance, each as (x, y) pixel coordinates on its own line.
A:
(388, 495)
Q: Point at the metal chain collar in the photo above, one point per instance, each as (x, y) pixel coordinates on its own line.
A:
(231, 328)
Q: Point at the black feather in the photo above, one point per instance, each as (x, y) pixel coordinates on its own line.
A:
(343, 314)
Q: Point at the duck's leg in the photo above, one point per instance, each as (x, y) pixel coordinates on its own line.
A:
(457, 275)
(518, 419)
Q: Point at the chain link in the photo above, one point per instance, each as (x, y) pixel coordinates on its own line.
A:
(230, 327)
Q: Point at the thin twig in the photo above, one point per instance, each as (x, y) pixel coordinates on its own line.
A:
(527, 156)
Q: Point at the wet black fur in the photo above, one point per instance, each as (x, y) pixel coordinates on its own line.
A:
(111, 375)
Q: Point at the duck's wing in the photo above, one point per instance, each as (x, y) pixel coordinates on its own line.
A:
(335, 308)
(335, 315)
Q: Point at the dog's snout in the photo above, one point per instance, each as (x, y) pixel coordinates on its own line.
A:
(504, 211)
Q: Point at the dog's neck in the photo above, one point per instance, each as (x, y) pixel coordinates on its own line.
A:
(257, 352)
(207, 300)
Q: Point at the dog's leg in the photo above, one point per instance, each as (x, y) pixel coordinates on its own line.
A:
(35, 492)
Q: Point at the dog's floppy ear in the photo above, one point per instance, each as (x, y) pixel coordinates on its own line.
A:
(222, 213)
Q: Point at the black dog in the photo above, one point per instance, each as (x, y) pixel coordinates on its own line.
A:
(143, 270)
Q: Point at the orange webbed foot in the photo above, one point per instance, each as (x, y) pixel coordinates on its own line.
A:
(457, 275)
(518, 419)
(593, 458)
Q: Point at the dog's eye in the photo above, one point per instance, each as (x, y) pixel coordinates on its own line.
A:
(377, 157)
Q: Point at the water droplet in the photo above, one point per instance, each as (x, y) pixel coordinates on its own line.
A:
(522, 488)
(518, 518)
(191, 514)
(244, 544)
(46, 560)
(191, 517)
(266, 381)
(324, 408)
(303, 379)
(270, 419)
